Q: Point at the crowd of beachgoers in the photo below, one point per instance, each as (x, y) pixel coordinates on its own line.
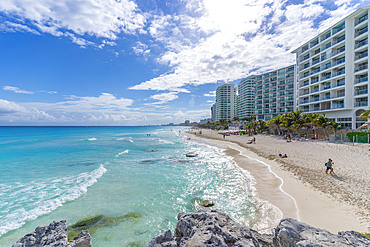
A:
(306, 162)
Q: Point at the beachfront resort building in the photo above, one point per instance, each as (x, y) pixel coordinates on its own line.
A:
(245, 97)
(226, 100)
(333, 70)
(274, 93)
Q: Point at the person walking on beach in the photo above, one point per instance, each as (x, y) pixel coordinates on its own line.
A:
(329, 166)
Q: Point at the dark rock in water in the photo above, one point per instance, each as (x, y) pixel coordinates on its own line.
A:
(207, 228)
(207, 203)
(95, 222)
(147, 161)
(54, 235)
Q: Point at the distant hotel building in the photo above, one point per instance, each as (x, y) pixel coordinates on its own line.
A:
(245, 97)
(264, 96)
(274, 93)
(225, 107)
(333, 70)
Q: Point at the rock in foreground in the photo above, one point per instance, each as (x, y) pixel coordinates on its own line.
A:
(214, 228)
(53, 235)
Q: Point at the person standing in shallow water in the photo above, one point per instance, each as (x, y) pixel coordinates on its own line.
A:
(329, 166)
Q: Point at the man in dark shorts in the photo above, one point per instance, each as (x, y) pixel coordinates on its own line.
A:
(329, 166)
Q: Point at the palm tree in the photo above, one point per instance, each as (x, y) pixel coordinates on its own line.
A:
(297, 119)
(365, 114)
(286, 121)
(335, 126)
(276, 122)
(310, 121)
(323, 122)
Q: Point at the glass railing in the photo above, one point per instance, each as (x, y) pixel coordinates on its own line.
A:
(362, 67)
(314, 90)
(339, 61)
(362, 19)
(339, 73)
(281, 94)
(326, 37)
(290, 69)
(304, 49)
(314, 100)
(315, 62)
(305, 58)
(304, 101)
(325, 97)
(316, 109)
(314, 81)
(337, 30)
(338, 51)
(365, 42)
(362, 31)
(359, 92)
(281, 83)
(289, 81)
(326, 47)
(336, 106)
(325, 77)
(339, 40)
(313, 44)
(305, 84)
(339, 84)
(326, 87)
(359, 80)
(361, 56)
(362, 103)
(315, 71)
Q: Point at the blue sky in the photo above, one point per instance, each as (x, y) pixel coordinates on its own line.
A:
(123, 62)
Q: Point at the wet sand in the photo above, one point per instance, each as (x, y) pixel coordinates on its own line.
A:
(298, 185)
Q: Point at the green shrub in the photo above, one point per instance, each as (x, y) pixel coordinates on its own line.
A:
(361, 136)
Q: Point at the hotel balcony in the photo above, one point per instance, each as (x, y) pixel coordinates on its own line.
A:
(362, 43)
(362, 55)
(305, 84)
(325, 77)
(338, 62)
(360, 92)
(342, 83)
(339, 40)
(361, 103)
(361, 31)
(314, 81)
(362, 67)
(361, 20)
(337, 106)
(360, 80)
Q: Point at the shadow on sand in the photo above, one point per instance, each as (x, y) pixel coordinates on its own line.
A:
(337, 177)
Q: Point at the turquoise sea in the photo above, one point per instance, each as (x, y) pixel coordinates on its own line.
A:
(54, 173)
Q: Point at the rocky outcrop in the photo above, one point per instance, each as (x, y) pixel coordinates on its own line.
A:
(214, 228)
(53, 235)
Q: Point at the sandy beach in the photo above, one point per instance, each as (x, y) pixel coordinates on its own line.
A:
(298, 185)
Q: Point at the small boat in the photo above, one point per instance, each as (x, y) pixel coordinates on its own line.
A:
(191, 155)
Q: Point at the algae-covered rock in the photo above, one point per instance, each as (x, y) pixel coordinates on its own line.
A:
(207, 203)
(95, 222)
(136, 244)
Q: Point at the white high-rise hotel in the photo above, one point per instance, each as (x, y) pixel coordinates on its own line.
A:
(333, 71)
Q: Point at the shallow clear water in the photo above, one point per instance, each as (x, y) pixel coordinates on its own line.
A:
(56, 173)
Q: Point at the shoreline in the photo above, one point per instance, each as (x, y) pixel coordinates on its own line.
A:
(286, 188)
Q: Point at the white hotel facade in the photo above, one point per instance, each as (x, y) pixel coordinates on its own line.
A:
(226, 101)
(332, 70)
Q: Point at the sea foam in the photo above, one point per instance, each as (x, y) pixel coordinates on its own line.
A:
(45, 195)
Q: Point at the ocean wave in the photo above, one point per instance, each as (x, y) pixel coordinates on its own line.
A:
(119, 154)
(26, 202)
(125, 139)
(165, 141)
(92, 139)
